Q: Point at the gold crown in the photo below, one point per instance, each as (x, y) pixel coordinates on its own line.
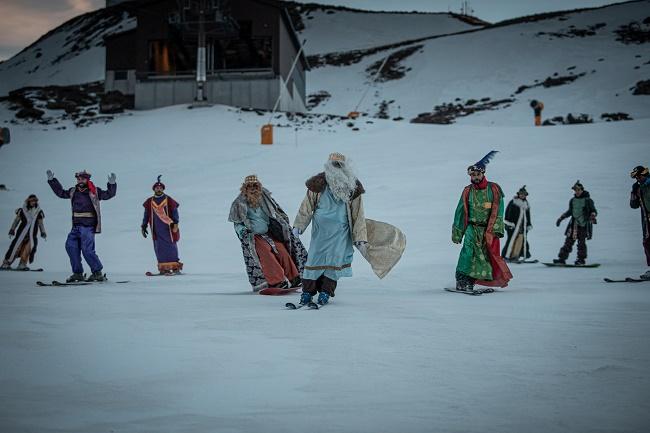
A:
(337, 157)
(251, 179)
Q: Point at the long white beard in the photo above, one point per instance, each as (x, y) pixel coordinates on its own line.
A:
(341, 181)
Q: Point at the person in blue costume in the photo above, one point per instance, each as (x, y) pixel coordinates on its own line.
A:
(334, 207)
(85, 200)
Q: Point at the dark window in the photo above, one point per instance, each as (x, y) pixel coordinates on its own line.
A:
(121, 75)
(171, 57)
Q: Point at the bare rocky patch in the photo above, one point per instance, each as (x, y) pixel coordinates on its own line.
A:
(447, 113)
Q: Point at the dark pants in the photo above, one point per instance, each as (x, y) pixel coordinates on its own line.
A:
(646, 248)
(82, 240)
(322, 284)
(568, 245)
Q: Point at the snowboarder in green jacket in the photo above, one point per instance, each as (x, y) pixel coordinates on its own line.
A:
(582, 212)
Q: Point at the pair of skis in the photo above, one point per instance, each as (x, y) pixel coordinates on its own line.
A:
(310, 306)
(21, 270)
(56, 283)
(626, 280)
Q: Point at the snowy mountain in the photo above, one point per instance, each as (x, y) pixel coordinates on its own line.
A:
(587, 61)
(73, 53)
(440, 68)
(330, 29)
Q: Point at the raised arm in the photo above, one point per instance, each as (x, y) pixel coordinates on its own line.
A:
(58, 189)
(109, 193)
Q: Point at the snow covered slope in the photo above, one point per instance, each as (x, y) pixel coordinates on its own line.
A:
(558, 351)
(329, 29)
(600, 53)
(73, 53)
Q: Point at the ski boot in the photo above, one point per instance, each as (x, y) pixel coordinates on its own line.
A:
(323, 298)
(559, 261)
(5, 265)
(22, 267)
(305, 298)
(645, 276)
(96, 277)
(75, 278)
(580, 262)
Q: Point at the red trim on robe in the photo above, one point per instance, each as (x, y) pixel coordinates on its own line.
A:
(501, 274)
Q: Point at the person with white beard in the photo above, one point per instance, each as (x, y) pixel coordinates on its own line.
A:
(334, 206)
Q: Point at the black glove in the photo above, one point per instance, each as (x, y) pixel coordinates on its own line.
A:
(558, 222)
(144, 231)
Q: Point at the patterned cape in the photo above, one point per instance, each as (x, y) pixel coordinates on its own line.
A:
(279, 231)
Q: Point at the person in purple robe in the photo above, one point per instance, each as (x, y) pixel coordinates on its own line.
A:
(86, 221)
(161, 215)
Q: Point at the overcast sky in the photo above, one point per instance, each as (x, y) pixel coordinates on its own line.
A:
(24, 21)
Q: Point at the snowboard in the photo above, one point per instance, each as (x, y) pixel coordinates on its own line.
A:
(475, 292)
(568, 265)
(151, 274)
(626, 280)
(23, 270)
(276, 291)
(520, 262)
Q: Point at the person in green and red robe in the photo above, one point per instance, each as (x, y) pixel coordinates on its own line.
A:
(478, 224)
(161, 214)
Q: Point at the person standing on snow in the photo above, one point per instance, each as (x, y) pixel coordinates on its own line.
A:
(640, 198)
(24, 230)
(583, 216)
(517, 224)
(478, 223)
(273, 255)
(334, 205)
(161, 214)
(86, 221)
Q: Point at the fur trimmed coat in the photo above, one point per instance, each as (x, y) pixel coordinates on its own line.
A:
(26, 225)
(385, 243)
(279, 231)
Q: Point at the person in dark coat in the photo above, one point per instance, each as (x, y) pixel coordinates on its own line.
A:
(24, 231)
(86, 221)
(582, 212)
(640, 199)
(517, 223)
(161, 215)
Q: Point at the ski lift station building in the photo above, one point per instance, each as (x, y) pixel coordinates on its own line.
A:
(250, 47)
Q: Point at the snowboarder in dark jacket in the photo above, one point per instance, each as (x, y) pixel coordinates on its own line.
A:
(640, 199)
(86, 221)
(583, 216)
